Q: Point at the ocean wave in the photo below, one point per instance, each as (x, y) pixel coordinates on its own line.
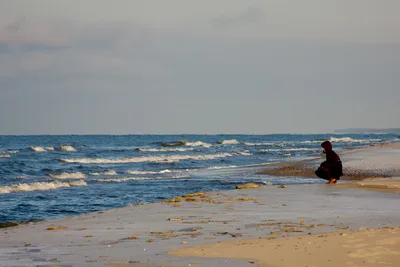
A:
(106, 172)
(68, 175)
(228, 142)
(242, 153)
(122, 179)
(40, 148)
(4, 156)
(311, 142)
(39, 186)
(149, 172)
(351, 140)
(67, 148)
(222, 167)
(257, 144)
(198, 143)
(288, 149)
(125, 179)
(173, 158)
(175, 149)
(177, 143)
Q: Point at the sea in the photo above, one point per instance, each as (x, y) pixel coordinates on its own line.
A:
(51, 176)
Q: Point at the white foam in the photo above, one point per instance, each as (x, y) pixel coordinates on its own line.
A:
(178, 149)
(106, 172)
(148, 172)
(311, 142)
(173, 158)
(229, 142)
(289, 149)
(69, 175)
(4, 156)
(198, 143)
(242, 153)
(40, 148)
(122, 179)
(67, 148)
(257, 144)
(39, 186)
(12, 151)
(351, 140)
(222, 167)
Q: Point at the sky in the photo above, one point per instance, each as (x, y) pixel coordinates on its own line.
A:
(179, 66)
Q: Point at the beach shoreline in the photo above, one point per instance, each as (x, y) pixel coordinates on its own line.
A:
(153, 234)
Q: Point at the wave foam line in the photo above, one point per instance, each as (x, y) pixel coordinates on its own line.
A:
(242, 153)
(228, 142)
(174, 158)
(351, 140)
(122, 179)
(164, 149)
(40, 148)
(67, 148)
(149, 172)
(258, 144)
(198, 143)
(68, 175)
(39, 186)
(222, 167)
(106, 172)
(289, 149)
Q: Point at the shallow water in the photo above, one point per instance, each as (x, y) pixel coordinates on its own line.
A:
(43, 177)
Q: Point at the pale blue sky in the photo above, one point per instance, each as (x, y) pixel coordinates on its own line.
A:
(180, 66)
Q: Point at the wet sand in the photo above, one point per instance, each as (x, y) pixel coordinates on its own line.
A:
(274, 219)
(143, 235)
(362, 247)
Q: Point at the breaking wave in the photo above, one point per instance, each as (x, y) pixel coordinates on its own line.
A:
(106, 172)
(148, 172)
(351, 140)
(175, 149)
(40, 148)
(228, 142)
(39, 186)
(258, 144)
(68, 175)
(198, 143)
(289, 149)
(242, 153)
(174, 158)
(222, 167)
(122, 179)
(67, 148)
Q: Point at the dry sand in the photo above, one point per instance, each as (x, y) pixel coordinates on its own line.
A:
(369, 247)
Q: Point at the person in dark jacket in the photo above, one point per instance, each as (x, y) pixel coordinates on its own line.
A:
(331, 169)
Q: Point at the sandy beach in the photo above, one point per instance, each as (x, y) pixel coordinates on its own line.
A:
(300, 225)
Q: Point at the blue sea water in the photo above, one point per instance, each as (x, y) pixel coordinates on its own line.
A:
(45, 177)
